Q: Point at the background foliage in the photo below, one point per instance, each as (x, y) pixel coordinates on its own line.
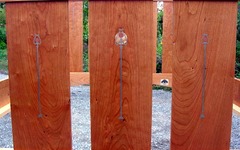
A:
(237, 70)
(159, 40)
(85, 36)
(3, 42)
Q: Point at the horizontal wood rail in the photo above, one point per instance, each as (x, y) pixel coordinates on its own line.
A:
(237, 91)
(82, 78)
(108, 0)
(236, 99)
(4, 97)
(4, 92)
(28, 0)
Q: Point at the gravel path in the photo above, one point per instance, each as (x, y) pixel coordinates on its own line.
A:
(81, 122)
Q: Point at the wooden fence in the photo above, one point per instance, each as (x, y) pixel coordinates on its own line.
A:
(45, 44)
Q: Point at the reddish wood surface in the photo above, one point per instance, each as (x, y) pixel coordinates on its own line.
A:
(192, 20)
(4, 92)
(50, 20)
(76, 35)
(167, 37)
(236, 99)
(110, 0)
(107, 131)
(79, 78)
(4, 97)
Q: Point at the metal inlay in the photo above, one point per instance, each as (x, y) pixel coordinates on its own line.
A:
(205, 43)
(121, 40)
(37, 42)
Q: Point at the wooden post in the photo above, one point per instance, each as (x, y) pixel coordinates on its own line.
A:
(76, 35)
(167, 37)
(192, 21)
(105, 19)
(50, 21)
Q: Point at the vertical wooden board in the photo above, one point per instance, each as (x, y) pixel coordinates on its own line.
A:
(107, 131)
(167, 37)
(50, 21)
(237, 92)
(192, 20)
(76, 35)
(155, 15)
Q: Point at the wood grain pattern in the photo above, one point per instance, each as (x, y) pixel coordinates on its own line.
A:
(4, 92)
(76, 35)
(167, 37)
(236, 99)
(155, 36)
(107, 131)
(79, 78)
(192, 20)
(50, 20)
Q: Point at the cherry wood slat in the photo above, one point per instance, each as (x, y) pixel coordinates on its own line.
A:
(192, 20)
(105, 18)
(4, 92)
(76, 35)
(167, 37)
(50, 21)
(155, 14)
(236, 99)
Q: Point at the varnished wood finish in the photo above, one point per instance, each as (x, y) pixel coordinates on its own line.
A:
(50, 20)
(167, 37)
(76, 35)
(107, 0)
(13, 1)
(79, 78)
(4, 97)
(192, 20)
(236, 99)
(107, 131)
(4, 92)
